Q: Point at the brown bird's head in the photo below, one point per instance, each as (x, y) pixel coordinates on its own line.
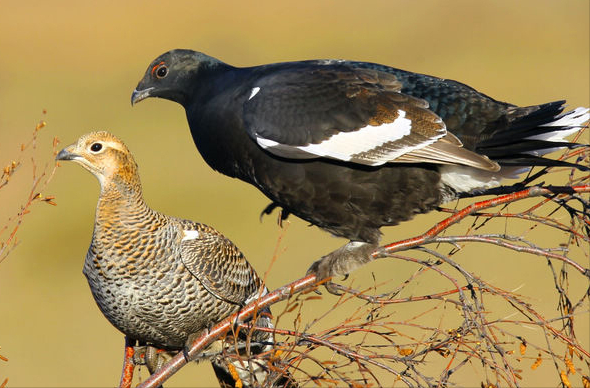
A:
(174, 75)
(105, 156)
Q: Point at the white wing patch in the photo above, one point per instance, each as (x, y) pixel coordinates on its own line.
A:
(190, 235)
(253, 93)
(347, 145)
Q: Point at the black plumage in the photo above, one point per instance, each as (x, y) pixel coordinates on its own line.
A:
(353, 146)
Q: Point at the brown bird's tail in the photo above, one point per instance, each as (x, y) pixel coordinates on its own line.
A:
(248, 360)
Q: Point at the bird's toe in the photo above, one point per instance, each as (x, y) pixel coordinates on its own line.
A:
(341, 262)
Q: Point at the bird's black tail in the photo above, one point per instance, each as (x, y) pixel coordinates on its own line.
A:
(518, 143)
(532, 132)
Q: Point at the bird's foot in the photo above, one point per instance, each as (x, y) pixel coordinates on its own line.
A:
(341, 262)
(153, 358)
(283, 214)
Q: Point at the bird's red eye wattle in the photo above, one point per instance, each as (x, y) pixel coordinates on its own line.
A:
(160, 70)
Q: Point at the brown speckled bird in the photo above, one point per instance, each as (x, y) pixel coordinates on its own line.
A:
(160, 280)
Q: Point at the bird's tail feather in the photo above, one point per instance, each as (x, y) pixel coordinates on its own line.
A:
(245, 369)
(534, 132)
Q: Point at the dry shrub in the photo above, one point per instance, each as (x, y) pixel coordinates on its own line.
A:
(37, 183)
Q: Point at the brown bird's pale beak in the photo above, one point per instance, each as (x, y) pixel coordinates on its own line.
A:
(139, 95)
(67, 154)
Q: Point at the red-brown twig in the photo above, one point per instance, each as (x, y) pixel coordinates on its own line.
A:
(471, 209)
(324, 342)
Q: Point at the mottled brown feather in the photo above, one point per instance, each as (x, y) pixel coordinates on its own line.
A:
(149, 283)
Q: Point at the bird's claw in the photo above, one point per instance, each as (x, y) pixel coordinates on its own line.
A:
(283, 214)
(185, 350)
(323, 270)
(340, 263)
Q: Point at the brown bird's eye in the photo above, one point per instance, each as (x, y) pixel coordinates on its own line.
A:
(96, 147)
(161, 71)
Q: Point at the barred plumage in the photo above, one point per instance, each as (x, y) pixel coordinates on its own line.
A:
(158, 279)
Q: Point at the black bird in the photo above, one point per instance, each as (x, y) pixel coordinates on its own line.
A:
(353, 146)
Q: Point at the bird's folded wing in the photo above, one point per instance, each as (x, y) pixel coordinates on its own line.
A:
(219, 265)
(349, 114)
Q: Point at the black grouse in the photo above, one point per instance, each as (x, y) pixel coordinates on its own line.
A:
(353, 146)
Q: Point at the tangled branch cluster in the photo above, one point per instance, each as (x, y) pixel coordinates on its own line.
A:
(464, 329)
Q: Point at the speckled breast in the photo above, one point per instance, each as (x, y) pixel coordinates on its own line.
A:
(146, 292)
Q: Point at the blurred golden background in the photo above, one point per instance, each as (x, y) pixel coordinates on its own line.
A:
(81, 60)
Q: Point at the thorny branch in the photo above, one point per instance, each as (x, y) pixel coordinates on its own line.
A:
(461, 320)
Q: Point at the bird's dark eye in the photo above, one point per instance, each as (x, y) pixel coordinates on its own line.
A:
(96, 147)
(161, 71)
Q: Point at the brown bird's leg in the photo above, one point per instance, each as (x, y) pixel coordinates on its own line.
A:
(128, 363)
(342, 261)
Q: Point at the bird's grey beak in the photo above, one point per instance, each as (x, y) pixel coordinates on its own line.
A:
(67, 154)
(139, 95)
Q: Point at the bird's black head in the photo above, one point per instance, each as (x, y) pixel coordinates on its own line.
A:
(174, 75)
